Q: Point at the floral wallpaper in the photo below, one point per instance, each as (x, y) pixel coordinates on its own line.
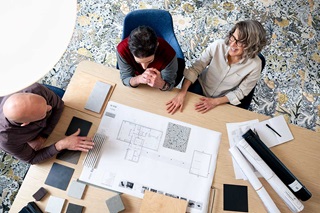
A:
(289, 84)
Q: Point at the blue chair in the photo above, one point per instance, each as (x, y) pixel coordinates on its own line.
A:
(245, 102)
(58, 91)
(161, 22)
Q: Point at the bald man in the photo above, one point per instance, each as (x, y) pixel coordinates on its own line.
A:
(26, 120)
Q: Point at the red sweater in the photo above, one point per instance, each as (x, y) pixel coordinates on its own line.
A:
(163, 56)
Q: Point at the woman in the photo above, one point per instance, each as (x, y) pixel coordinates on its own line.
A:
(226, 71)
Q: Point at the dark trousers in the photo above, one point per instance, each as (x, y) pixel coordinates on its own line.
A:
(196, 88)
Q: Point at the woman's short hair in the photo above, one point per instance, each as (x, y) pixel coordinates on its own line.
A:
(143, 42)
(252, 34)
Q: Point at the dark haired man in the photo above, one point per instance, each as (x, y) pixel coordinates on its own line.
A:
(144, 58)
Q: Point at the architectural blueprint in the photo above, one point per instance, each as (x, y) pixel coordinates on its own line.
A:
(145, 151)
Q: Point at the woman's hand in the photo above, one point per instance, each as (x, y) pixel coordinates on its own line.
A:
(176, 103)
(206, 104)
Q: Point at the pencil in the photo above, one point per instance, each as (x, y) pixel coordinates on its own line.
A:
(211, 199)
(273, 130)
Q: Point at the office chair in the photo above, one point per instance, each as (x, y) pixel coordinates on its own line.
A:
(161, 22)
(245, 102)
(58, 91)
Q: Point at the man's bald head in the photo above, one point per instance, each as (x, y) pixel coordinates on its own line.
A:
(25, 107)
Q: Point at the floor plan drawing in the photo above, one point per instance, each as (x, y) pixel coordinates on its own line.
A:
(145, 151)
(200, 164)
(138, 137)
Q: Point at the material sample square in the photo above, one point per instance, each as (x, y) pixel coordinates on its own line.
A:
(115, 204)
(77, 123)
(55, 204)
(177, 137)
(76, 189)
(74, 208)
(235, 198)
(40, 194)
(69, 156)
(160, 203)
(59, 176)
(97, 96)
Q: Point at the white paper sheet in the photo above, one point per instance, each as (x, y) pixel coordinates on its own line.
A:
(269, 137)
(145, 151)
(235, 132)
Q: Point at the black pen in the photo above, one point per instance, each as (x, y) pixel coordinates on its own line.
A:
(273, 129)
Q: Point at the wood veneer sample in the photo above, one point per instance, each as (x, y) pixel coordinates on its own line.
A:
(159, 203)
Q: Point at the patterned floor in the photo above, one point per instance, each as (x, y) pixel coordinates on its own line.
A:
(289, 84)
(12, 172)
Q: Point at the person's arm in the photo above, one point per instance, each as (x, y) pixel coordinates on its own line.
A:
(169, 74)
(247, 84)
(193, 72)
(24, 152)
(134, 81)
(127, 73)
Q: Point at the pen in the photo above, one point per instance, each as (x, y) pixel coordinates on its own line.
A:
(273, 130)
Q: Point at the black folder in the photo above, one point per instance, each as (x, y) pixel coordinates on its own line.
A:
(31, 207)
(297, 188)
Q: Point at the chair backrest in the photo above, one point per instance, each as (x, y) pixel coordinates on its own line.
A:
(246, 101)
(159, 20)
(263, 61)
(58, 91)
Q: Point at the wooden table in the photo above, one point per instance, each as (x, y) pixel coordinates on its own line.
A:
(301, 155)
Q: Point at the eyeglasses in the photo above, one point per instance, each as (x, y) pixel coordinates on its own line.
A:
(238, 42)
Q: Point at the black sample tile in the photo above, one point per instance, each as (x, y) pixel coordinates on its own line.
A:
(78, 123)
(69, 156)
(59, 176)
(74, 208)
(40, 194)
(235, 198)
